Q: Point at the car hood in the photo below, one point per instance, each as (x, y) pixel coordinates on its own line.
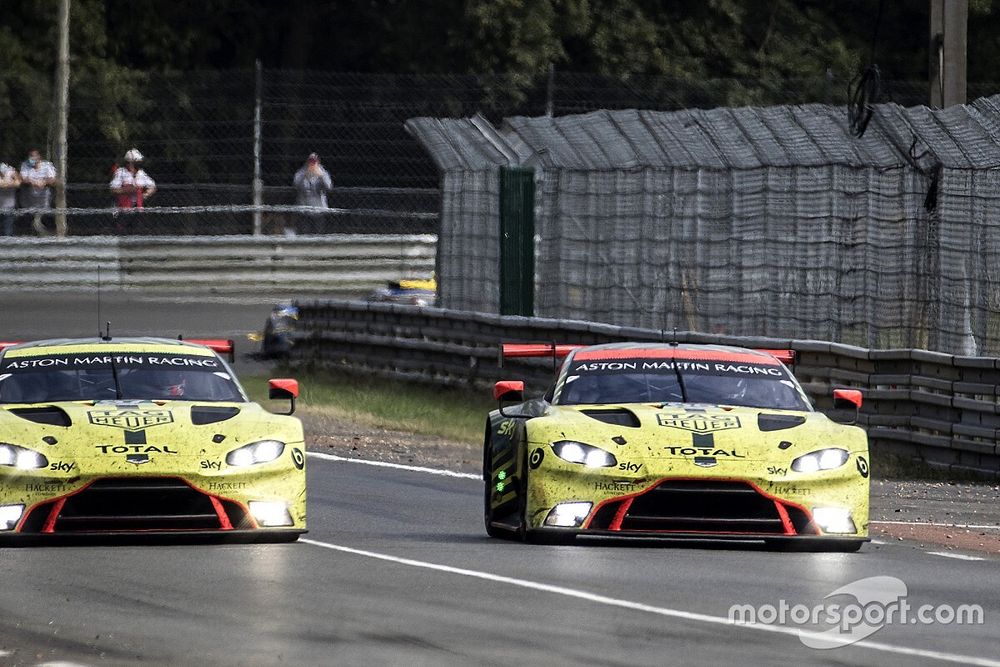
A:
(685, 431)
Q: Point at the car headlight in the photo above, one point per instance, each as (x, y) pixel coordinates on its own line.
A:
(834, 520)
(270, 513)
(21, 457)
(254, 453)
(588, 455)
(821, 459)
(10, 515)
(568, 515)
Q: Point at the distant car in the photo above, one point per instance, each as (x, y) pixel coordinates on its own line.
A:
(143, 436)
(411, 292)
(671, 440)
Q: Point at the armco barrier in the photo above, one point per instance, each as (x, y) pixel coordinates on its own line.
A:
(330, 264)
(939, 408)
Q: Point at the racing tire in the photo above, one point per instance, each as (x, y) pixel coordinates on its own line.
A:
(491, 530)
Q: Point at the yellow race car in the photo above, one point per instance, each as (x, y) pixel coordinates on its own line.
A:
(145, 436)
(677, 441)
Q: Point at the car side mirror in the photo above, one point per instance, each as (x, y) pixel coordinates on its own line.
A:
(847, 399)
(508, 391)
(283, 388)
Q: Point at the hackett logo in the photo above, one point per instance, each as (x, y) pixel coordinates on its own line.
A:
(698, 423)
(130, 420)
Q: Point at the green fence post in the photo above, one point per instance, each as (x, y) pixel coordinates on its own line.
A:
(517, 241)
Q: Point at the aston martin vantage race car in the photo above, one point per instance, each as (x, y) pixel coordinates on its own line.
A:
(143, 436)
(673, 440)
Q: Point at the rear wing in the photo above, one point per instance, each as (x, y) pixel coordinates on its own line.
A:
(219, 345)
(786, 357)
(516, 350)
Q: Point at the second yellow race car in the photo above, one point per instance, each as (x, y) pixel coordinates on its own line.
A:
(143, 436)
(672, 440)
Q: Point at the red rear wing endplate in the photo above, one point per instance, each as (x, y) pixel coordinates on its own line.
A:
(220, 345)
(511, 350)
(784, 356)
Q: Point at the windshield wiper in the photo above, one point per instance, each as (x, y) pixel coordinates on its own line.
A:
(114, 374)
(680, 382)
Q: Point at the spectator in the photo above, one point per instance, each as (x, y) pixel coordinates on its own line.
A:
(37, 176)
(10, 181)
(130, 184)
(312, 182)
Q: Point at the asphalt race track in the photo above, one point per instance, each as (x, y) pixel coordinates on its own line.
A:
(335, 598)
(396, 569)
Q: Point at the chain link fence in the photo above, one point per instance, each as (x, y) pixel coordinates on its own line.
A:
(198, 129)
(773, 221)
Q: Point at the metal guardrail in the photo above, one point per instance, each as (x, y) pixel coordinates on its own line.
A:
(330, 264)
(939, 408)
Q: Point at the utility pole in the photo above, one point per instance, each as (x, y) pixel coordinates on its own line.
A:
(62, 114)
(949, 22)
(258, 183)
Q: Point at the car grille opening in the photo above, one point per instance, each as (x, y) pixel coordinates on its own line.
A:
(137, 504)
(702, 506)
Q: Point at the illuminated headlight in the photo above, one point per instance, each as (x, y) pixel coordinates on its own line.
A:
(834, 520)
(568, 515)
(270, 513)
(588, 455)
(822, 459)
(257, 452)
(20, 457)
(10, 515)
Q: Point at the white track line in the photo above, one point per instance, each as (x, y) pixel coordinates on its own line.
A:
(397, 466)
(940, 525)
(659, 611)
(958, 556)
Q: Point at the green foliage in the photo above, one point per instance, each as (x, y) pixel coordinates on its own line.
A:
(742, 51)
(449, 413)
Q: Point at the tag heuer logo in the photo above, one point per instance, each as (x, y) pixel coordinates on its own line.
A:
(705, 461)
(698, 423)
(130, 420)
(137, 459)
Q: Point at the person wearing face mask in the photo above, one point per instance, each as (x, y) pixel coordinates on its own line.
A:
(37, 178)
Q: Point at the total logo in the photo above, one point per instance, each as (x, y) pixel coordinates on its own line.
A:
(704, 451)
(135, 449)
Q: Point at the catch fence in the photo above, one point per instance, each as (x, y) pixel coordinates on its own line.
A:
(753, 221)
(198, 130)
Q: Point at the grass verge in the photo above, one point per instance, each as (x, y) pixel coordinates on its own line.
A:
(455, 414)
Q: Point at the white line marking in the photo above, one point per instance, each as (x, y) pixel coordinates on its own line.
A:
(958, 556)
(942, 525)
(879, 542)
(397, 466)
(60, 663)
(660, 611)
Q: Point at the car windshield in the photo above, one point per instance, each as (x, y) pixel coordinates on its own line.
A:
(124, 376)
(741, 381)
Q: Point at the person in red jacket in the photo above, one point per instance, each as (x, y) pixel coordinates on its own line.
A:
(130, 184)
